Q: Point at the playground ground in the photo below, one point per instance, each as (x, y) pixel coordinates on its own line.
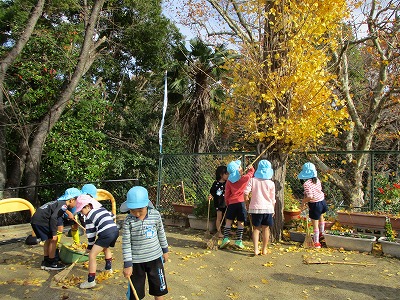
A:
(194, 272)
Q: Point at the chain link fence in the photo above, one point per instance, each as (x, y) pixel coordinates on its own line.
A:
(188, 178)
(197, 172)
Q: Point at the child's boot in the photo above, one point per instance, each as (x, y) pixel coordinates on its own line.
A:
(75, 236)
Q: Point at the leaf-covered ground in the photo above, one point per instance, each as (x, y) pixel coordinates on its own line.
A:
(193, 272)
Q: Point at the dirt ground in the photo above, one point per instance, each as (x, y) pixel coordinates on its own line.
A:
(194, 272)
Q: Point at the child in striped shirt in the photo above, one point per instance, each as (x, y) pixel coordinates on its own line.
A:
(315, 198)
(101, 232)
(144, 245)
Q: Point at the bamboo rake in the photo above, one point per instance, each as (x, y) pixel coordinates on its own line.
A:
(64, 273)
(308, 241)
(133, 288)
(213, 242)
(261, 154)
(331, 262)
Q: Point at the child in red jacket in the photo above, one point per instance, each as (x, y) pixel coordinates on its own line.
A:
(234, 198)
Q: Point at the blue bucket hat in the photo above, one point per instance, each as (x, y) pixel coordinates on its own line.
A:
(70, 193)
(137, 197)
(309, 171)
(264, 170)
(89, 189)
(233, 170)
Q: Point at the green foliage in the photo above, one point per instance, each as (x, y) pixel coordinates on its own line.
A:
(290, 202)
(389, 232)
(202, 208)
(387, 194)
(110, 127)
(76, 149)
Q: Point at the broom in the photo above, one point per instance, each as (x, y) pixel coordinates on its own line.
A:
(133, 288)
(308, 241)
(212, 243)
(64, 273)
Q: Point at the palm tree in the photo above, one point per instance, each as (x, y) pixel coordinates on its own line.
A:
(198, 80)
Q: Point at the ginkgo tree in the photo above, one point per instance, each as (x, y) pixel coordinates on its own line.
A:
(283, 90)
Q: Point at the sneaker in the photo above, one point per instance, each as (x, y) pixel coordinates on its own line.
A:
(43, 265)
(109, 271)
(54, 266)
(88, 285)
(239, 244)
(225, 242)
(317, 245)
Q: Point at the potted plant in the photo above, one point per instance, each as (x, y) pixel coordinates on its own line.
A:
(387, 198)
(390, 244)
(203, 212)
(291, 206)
(386, 204)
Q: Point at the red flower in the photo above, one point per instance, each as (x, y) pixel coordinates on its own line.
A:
(381, 190)
(396, 185)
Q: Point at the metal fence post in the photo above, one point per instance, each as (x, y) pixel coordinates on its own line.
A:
(372, 170)
(160, 161)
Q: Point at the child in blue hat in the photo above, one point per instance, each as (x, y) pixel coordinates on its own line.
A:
(262, 204)
(68, 219)
(144, 245)
(234, 198)
(315, 198)
(44, 224)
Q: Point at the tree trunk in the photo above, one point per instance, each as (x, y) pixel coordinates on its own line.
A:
(278, 161)
(86, 59)
(4, 65)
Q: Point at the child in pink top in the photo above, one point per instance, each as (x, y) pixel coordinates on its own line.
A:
(315, 198)
(262, 204)
(234, 198)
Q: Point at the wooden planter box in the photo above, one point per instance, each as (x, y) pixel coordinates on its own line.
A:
(361, 220)
(183, 208)
(395, 223)
(391, 248)
(352, 243)
(201, 223)
(179, 222)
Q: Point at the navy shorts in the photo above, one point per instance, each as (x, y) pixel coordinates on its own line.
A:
(107, 241)
(262, 219)
(155, 277)
(316, 209)
(42, 232)
(237, 211)
(221, 209)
